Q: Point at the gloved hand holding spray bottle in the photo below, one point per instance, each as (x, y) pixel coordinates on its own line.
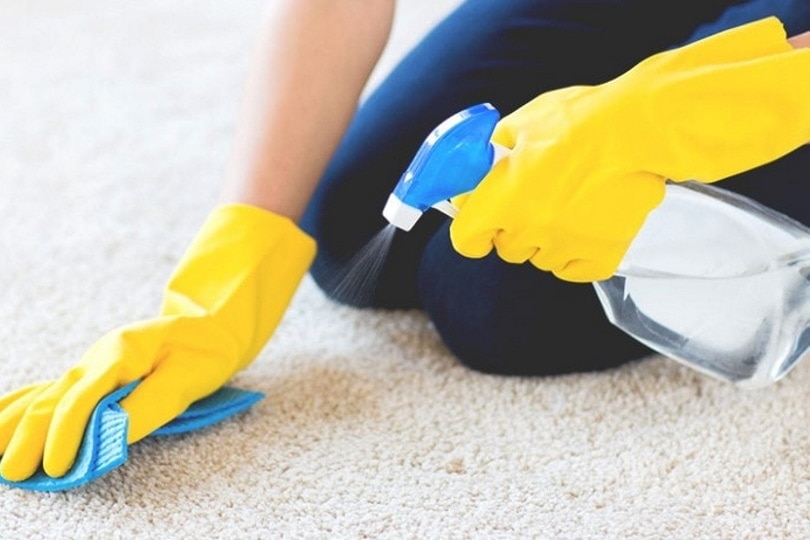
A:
(606, 184)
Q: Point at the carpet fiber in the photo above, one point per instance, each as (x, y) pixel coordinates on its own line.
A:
(115, 125)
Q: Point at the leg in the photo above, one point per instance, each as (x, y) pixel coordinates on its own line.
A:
(515, 320)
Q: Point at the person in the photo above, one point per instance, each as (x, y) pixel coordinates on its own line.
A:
(312, 166)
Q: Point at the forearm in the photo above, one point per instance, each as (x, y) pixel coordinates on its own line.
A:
(800, 41)
(311, 62)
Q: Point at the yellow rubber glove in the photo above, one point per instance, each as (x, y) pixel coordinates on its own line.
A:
(222, 303)
(588, 163)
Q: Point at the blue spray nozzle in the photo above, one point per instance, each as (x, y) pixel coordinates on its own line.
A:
(454, 158)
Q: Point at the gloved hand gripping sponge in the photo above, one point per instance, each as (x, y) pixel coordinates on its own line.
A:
(104, 446)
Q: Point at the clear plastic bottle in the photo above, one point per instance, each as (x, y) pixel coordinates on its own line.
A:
(718, 282)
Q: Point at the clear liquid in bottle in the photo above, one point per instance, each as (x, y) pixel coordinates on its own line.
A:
(717, 282)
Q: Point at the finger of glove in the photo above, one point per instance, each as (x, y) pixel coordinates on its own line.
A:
(121, 356)
(483, 215)
(566, 259)
(168, 391)
(70, 417)
(618, 221)
(588, 270)
(553, 257)
(526, 243)
(594, 235)
(513, 248)
(13, 407)
(14, 395)
(25, 449)
(471, 242)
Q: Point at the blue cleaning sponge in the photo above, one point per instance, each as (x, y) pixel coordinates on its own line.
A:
(104, 446)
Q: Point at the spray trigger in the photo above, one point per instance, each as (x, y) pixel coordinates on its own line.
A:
(452, 160)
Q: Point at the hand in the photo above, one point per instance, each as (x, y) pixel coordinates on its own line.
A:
(588, 163)
(219, 308)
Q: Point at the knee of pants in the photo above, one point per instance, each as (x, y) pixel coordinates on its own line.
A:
(361, 260)
(509, 319)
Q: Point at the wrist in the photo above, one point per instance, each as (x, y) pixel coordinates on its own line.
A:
(264, 195)
(800, 41)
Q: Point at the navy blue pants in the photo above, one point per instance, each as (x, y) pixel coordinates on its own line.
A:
(494, 316)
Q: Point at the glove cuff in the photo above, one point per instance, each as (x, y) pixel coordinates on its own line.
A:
(254, 224)
(241, 270)
(244, 240)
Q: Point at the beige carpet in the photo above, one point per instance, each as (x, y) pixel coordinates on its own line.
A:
(115, 123)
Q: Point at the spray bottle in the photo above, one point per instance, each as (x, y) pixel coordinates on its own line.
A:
(730, 298)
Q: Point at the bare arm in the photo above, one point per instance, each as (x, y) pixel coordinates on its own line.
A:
(800, 41)
(311, 62)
